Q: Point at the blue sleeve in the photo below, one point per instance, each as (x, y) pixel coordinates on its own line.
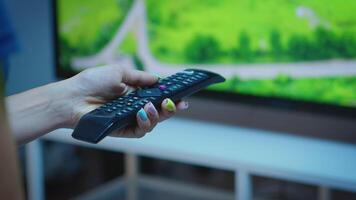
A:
(8, 43)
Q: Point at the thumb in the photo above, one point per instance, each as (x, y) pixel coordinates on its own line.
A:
(138, 78)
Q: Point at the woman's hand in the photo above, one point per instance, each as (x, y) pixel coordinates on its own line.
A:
(61, 104)
(94, 87)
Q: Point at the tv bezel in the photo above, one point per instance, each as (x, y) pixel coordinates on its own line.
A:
(285, 103)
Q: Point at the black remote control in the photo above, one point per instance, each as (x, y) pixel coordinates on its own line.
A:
(119, 113)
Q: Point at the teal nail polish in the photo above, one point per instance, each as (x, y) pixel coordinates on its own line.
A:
(142, 114)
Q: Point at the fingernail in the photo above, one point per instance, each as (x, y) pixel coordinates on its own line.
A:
(169, 105)
(142, 114)
(151, 109)
(184, 106)
(157, 76)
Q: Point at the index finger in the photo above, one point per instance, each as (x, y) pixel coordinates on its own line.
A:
(138, 78)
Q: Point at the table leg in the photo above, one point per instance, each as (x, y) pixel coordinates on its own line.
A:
(324, 193)
(34, 170)
(131, 174)
(243, 185)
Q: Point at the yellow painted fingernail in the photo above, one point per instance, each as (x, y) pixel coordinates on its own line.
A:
(170, 105)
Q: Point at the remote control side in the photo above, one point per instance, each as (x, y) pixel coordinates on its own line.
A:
(121, 112)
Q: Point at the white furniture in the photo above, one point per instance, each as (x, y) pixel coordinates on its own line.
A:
(244, 151)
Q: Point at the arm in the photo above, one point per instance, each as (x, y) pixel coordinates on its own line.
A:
(38, 111)
(61, 104)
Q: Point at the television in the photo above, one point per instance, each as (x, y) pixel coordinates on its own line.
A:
(294, 54)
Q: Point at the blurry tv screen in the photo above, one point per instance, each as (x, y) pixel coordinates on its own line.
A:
(299, 50)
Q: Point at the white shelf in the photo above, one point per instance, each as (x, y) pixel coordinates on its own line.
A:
(289, 157)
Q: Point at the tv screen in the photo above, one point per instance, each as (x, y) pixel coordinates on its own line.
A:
(298, 53)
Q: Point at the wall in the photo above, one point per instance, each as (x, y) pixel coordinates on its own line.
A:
(33, 65)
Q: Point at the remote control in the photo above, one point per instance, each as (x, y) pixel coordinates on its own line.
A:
(121, 112)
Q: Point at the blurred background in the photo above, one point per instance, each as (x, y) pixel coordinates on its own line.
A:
(281, 127)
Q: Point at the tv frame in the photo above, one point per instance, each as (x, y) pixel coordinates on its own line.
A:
(283, 103)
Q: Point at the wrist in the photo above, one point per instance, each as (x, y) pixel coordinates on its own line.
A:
(38, 111)
(64, 99)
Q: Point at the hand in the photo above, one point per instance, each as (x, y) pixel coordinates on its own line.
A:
(94, 87)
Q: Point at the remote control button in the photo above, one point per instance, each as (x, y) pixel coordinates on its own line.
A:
(149, 92)
(124, 111)
(203, 74)
(119, 102)
(142, 102)
(184, 75)
(118, 106)
(172, 89)
(162, 87)
(194, 79)
(108, 110)
(198, 76)
(119, 114)
(185, 82)
(152, 98)
(175, 87)
(188, 72)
